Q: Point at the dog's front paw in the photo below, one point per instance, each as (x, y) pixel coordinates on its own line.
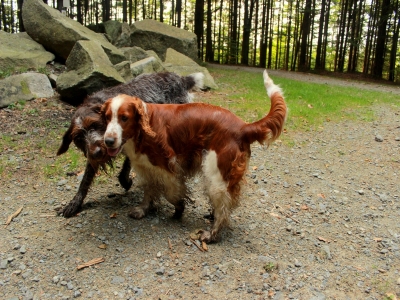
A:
(208, 236)
(137, 213)
(70, 210)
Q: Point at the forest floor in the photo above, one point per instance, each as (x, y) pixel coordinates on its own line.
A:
(319, 218)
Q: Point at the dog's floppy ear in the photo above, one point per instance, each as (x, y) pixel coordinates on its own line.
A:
(139, 109)
(97, 108)
(67, 140)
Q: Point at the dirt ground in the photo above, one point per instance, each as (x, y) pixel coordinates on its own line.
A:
(319, 219)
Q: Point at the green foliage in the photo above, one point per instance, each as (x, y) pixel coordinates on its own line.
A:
(17, 105)
(5, 73)
(310, 104)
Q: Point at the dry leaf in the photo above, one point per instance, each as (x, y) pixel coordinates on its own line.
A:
(70, 239)
(321, 195)
(275, 215)
(255, 168)
(11, 217)
(304, 207)
(204, 246)
(103, 246)
(113, 215)
(91, 263)
(310, 106)
(378, 240)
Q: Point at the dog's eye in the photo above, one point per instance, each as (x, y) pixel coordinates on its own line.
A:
(124, 118)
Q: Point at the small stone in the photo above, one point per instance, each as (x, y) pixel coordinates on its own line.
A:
(361, 192)
(56, 279)
(3, 264)
(297, 263)
(77, 294)
(160, 271)
(158, 254)
(117, 280)
(22, 250)
(62, 182)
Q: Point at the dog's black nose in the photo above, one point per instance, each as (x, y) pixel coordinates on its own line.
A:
(109, 141)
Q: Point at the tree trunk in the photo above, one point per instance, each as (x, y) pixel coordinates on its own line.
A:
(318, 59)
(125, 11)
(393, 51)
(161, 11)
(209, 45)
(232, 59)
(381, 40)
(198, 25)
(20, 21)
(264, 33)
(248, 14)
(305, 31)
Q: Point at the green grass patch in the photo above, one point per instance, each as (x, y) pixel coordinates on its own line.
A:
(310, 104)
(70, 161)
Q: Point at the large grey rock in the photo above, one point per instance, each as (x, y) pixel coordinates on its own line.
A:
(124, 39)
(134, 54)
(20, 51)
(89, 70)
(147, 65)
(58, 33)
(24, 87)
(153, 35)
(183, 65)
(113, 29)
(124, 69)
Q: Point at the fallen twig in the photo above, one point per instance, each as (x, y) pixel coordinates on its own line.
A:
(92, 262)
(11, 217)
(169, 244)
(194, 243)
(47, 215)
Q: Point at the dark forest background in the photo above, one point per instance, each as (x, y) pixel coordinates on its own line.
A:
(343, 36)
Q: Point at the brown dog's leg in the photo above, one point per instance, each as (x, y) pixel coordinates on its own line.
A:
(147, 204)
(75, 205)
(123, 176)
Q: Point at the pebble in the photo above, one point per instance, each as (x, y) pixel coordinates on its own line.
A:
(117, 280)
(62, 182)
(3, 264)
(22, 250)
(160, 271)
(378, 138)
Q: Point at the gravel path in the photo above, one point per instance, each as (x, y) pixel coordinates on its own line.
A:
(318, 220)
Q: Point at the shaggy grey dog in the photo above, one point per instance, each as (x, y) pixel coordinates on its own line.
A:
(87, 126)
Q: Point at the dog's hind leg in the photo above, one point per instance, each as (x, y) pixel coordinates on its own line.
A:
(177, 194)
(123, 177)
(75, 205)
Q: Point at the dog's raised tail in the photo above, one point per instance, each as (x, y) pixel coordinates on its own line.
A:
(270, 127)
(194, 81)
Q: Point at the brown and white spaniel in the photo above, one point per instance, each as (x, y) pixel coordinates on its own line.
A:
(167, 144)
